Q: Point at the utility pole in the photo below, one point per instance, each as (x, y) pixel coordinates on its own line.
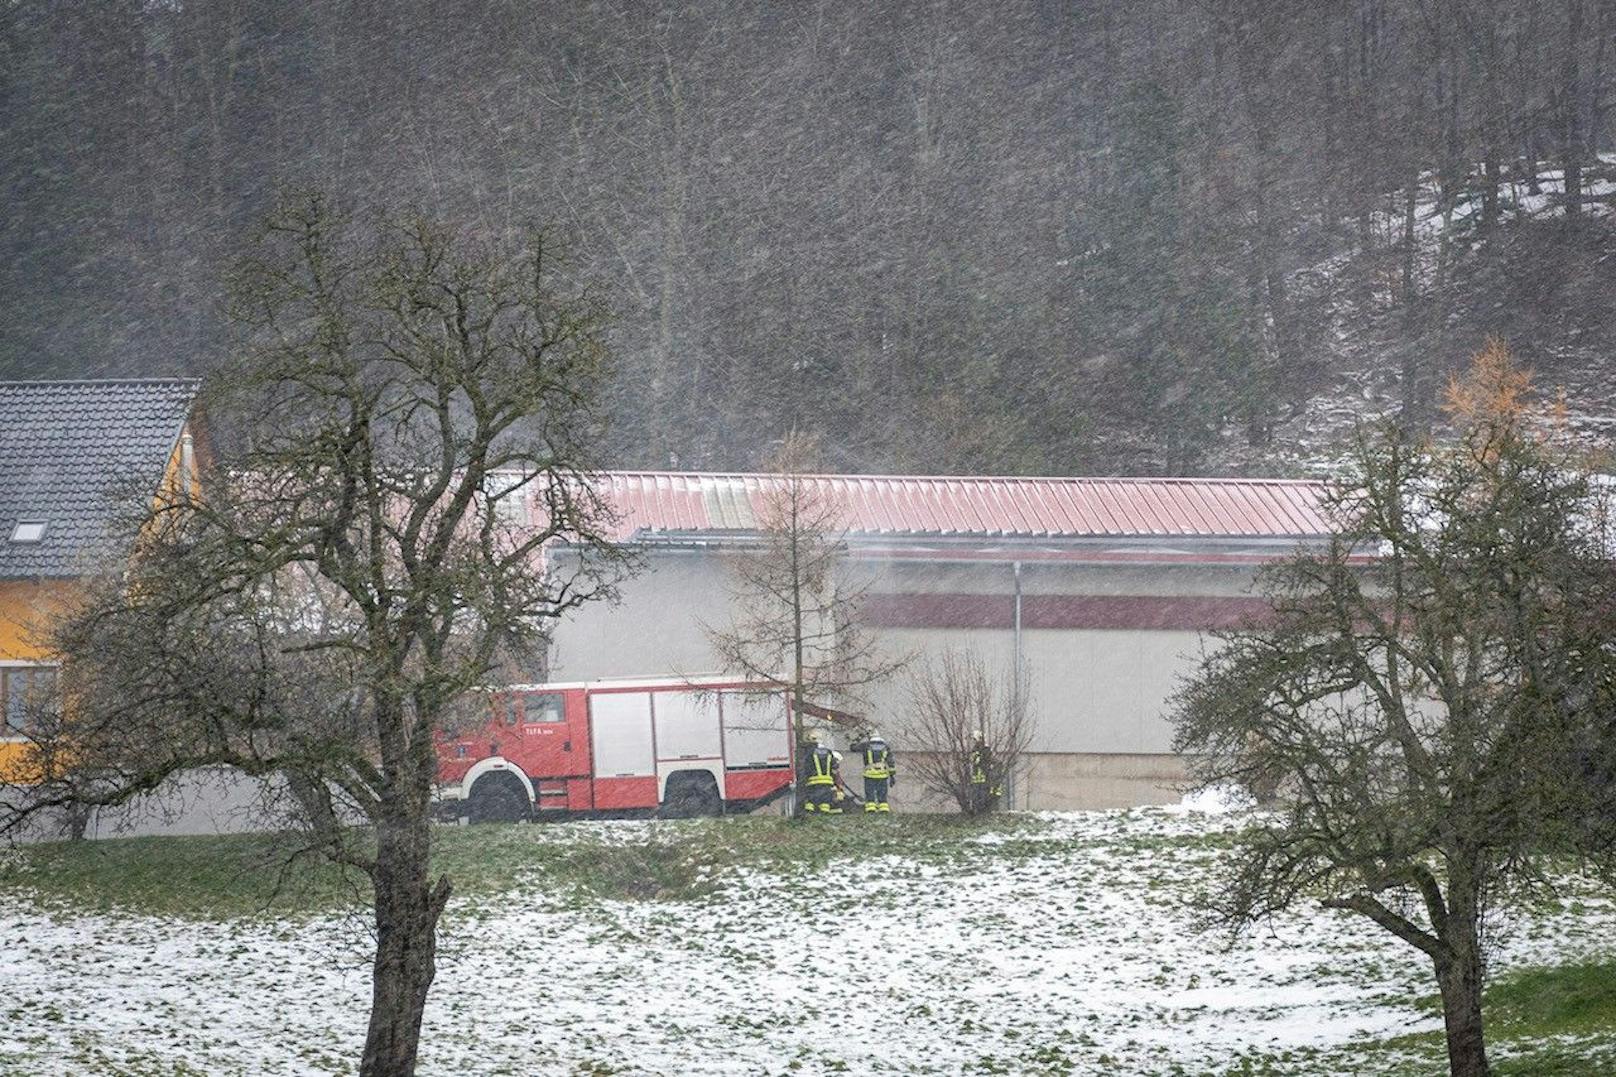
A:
(1015, 680)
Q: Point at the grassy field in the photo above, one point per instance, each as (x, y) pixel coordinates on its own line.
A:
(1025, 944)
(240, 875)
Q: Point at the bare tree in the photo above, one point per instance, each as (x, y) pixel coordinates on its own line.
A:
(351, 572)
(796, 617)
(951, 701)
(1430, 691)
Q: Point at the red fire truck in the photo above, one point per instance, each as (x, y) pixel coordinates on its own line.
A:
(699, 746)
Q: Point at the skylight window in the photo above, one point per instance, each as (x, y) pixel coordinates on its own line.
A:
(28, 531)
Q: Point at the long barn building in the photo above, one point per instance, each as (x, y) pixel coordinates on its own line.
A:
(1105, 588)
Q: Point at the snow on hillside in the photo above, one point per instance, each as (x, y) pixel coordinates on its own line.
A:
(1062, 946)
(1523, 197)
(1360, 350)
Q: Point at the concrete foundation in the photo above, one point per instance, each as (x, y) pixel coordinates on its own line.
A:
(1069, 781)
(1058, 781)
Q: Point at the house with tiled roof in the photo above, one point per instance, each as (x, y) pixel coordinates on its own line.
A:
(1104, 590)
(75, 458)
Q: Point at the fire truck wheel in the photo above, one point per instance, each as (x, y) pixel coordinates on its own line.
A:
(691, 793)
(498, 797)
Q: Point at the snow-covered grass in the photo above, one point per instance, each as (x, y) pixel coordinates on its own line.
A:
(1053, 943)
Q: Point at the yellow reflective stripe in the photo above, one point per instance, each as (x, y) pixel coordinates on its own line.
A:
(823, 763)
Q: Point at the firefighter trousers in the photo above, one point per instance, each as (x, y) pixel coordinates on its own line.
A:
(821, 800)
(875, 794)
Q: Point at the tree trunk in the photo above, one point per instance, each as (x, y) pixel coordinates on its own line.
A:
(1459, 963)
(1412, 416)
(407, 911)
(75, 822)
(1492, 130)
(1571, 91)
(1489, 192)
(1460, 982)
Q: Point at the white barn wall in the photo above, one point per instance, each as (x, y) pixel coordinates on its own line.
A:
(1100, 694)
(1094, 690)
(1042, 577)
(1091, 690)
(656, 627)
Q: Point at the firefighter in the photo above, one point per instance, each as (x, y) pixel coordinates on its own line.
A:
(981, 778)
(880, 771)
(820, 776)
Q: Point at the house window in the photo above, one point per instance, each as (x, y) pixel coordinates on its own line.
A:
(24, 691)
(28, 531)
(507, 491)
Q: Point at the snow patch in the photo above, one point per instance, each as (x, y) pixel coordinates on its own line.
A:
(1216, 800)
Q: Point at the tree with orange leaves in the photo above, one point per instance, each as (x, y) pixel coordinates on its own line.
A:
(1435, 690)
(1493, 402)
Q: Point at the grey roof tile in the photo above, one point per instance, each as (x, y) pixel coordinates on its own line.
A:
(70, 451)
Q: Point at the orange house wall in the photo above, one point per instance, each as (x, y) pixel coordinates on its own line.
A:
(27, 608)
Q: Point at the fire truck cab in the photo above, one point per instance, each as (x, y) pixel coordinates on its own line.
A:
(677, 747)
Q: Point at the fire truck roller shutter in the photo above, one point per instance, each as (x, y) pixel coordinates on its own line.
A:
(755, 733)
(690, 752)
(621, 723)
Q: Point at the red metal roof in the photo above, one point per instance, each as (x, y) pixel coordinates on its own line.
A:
(664, 502)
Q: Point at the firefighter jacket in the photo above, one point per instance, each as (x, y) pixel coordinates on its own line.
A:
(819, 766)
(879, 762)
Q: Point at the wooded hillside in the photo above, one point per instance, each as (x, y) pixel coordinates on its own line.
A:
(1170, 236)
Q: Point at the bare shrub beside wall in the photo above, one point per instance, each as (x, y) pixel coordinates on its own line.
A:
(951, 698)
